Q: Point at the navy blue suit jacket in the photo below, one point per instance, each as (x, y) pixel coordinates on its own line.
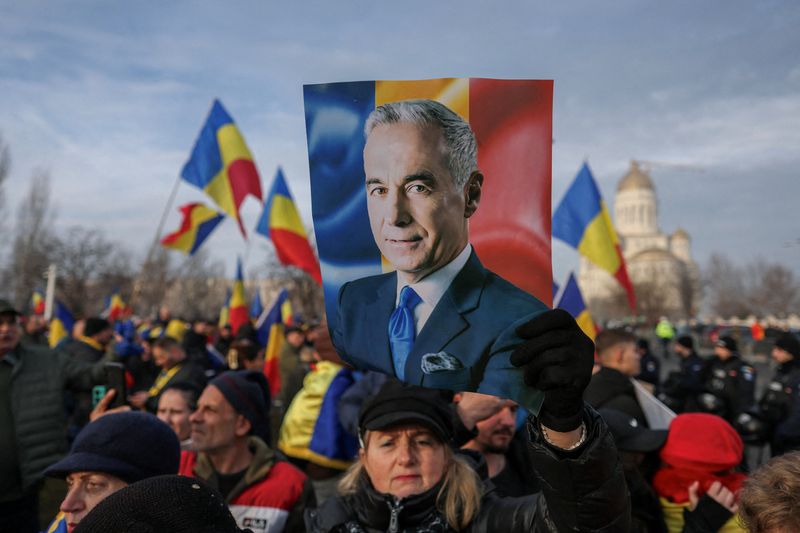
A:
(473, 324)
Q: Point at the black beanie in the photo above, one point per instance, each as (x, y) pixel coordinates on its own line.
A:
(131, 446)
(174, 504)
(789, 343)
(248, 393)
(398, 403)
(686, 341)
(727, 342)
(95, 325)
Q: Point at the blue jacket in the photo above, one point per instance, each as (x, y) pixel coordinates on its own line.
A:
(464, 345)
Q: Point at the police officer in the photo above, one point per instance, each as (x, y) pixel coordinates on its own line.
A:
(650, 371)
(681, 388)
(730, 385)
(780, 405)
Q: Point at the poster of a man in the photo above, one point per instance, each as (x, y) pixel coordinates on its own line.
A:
(437, 317)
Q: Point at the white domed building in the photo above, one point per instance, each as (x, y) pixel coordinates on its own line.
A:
(660, 266)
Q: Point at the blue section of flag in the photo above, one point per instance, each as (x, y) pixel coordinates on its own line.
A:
(206, 160)
(329, 438)
(272, 317)
(580, 205)
(571, 299)
(203, 231)
(256, 307)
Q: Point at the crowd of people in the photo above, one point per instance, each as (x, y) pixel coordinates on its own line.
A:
(204, 441)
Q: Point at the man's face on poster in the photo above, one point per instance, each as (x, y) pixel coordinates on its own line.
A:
(417, 213)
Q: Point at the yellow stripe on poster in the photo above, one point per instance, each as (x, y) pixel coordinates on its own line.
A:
(452, 92)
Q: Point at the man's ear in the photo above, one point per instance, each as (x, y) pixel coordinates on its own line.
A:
(243, 426)
(472, 193)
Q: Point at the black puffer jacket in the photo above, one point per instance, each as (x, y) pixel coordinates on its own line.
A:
(582, 490)
(38, 380)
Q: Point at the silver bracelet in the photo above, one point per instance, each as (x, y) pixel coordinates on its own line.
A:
(578, 444)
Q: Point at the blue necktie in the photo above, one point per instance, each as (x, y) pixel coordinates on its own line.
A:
(401, 329)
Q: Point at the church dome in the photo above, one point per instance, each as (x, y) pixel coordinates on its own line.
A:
(680, 233)
(635, 179)
(653, 255)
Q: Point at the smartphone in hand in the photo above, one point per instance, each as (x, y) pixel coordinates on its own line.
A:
(115, 379)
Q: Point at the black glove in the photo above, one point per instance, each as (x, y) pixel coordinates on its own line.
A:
(556, 358)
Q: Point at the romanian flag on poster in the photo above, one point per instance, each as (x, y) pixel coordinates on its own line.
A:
(37, 303)
(237, 305)
(221, 164)
(197, 224)
(269, 330)
(60, 325)
(280, 222)
(311, 429)
(512, 121)
(583, 222)
(572, 302)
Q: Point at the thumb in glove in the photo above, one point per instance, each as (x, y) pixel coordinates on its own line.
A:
(556, 357)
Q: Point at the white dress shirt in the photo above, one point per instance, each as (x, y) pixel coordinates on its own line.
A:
(432, 287)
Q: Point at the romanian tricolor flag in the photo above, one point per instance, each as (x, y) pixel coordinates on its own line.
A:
(59, 524)
(280, 222)
(269, 330)
(287, 313)
(256, 307)
(583, 222)
(60, 325)
(115, 307)
(237, 305)
(221, 164)
(197, 224)
(512, 122)
(37, 303)
(311, 429)
(572, 302)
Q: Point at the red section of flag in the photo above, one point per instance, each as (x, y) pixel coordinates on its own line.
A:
(511, 231)
(273, 375)
(293, 249)
(621, 276)
(237, 317)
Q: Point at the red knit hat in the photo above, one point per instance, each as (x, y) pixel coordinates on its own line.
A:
(702, 441)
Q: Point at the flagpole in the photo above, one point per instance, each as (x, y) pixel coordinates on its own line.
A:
(137, 285)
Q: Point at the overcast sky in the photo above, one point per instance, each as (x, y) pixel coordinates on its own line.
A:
(110, 96)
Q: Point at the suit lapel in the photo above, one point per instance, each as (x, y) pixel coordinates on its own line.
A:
(447, 320)
(376, 323)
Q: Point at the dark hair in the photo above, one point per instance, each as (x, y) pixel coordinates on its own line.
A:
(608, 338)
(189, 392)
(167, 343)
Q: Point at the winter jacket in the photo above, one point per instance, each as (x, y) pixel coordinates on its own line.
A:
(38, 381)
(582, 490)
(85, 350)
(271, 496)
(612, 389)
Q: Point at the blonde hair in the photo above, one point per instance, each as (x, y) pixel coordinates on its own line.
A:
(459, 499)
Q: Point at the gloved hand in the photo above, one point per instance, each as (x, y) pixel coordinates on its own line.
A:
(556, 358)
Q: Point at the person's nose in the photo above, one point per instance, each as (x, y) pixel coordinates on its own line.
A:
(406, 455)
(508, 417)
(73, 501)
(196, 417)
(397, 213)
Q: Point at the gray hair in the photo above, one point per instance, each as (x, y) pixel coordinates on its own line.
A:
(462, 149)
